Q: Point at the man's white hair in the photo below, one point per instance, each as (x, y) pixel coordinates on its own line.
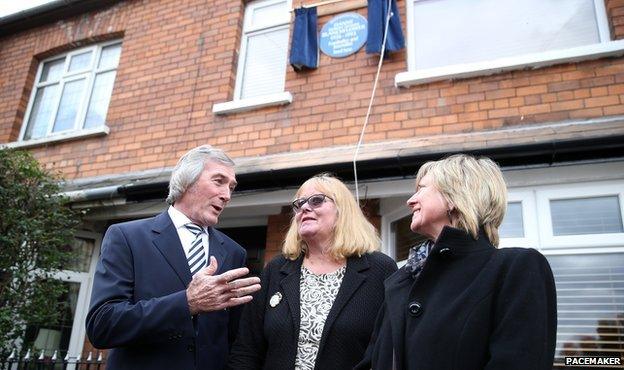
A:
(189, 168)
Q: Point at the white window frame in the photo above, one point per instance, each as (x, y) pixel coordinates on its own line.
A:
(536, 219)
(388, 236)
(77, 130)
(570, 191)
(281, 98)
(526, 198)
(85, 279)
(606, 47)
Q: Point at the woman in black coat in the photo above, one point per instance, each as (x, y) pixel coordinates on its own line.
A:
(460, 303)
(319, 300)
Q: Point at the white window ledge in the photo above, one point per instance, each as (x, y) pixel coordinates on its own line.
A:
(62, 136)
(536, 60)
(243, 105)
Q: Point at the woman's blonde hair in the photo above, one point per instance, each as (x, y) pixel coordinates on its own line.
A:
(475, 190)
(353, 234)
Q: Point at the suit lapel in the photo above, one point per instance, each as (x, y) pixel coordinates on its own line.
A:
(351, 281)
(167, 241)
(291, 272)
(217, 249)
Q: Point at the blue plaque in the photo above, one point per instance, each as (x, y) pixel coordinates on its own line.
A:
(343, 35)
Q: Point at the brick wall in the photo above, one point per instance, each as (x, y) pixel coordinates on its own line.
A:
(179, 58)
(615, 11)
(277, 226)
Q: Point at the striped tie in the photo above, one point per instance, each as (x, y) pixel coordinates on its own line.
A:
(196, 255)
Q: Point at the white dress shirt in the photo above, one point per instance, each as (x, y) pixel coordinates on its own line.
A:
(179, 219)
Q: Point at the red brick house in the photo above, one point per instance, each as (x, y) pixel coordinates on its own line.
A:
(111, 93)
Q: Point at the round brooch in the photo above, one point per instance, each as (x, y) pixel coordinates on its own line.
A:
(275, 299)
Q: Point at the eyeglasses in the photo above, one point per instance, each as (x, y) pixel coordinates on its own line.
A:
(313, 201)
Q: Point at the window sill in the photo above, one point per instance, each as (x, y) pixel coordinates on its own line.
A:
(536, 60)
(242, 105)
(60, 137)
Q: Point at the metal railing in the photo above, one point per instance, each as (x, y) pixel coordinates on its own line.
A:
(40, 361)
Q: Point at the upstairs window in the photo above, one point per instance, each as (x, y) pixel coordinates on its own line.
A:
(467, 38)
(264, 48)
(72, 92)
(458, 31)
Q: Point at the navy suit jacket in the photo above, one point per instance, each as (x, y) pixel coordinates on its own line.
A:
(139, 307)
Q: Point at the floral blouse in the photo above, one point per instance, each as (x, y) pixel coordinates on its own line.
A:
(317, 295)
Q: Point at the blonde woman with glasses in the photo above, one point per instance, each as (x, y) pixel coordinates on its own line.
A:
(460, 303)
(319, 299)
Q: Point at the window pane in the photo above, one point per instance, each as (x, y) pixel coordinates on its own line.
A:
(512, 226)
(452, 32)
(404, 238)
(596, 215)
(73, 91)
(83, 249)
(80, 62)
(41, 112)
(51, 337)
(109, 58)
(269, 14)
(265, 63)
(100, 97)
(52, 70)
(590, 305)
(70, 103)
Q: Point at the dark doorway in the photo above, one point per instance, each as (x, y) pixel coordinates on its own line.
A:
(253, 239)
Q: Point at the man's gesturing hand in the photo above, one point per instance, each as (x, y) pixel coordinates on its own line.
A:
(209, 292)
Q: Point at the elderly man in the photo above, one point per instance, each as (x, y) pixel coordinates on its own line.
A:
(167, 290)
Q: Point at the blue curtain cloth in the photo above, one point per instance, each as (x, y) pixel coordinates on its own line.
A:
(377, 13)
(304, 47)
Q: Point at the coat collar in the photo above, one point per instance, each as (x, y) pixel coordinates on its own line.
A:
(167, 241)
(454, 242)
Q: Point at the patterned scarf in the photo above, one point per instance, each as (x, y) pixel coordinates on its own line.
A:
(417, 257)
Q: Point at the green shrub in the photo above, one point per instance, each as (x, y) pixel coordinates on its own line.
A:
(36, 228)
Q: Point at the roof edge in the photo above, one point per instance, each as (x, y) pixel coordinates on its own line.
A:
(510, 146)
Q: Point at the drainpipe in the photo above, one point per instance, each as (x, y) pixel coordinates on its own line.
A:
(105, 192)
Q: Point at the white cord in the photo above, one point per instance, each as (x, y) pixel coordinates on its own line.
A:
(370, 103)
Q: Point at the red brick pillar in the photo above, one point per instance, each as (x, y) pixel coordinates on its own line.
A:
(88, 347)
(370, 207)
(615, 14)
(277, 227)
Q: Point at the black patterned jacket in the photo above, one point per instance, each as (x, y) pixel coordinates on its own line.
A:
(268, 334)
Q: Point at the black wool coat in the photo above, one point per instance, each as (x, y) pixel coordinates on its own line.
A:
(472, 307)
(267, 337)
